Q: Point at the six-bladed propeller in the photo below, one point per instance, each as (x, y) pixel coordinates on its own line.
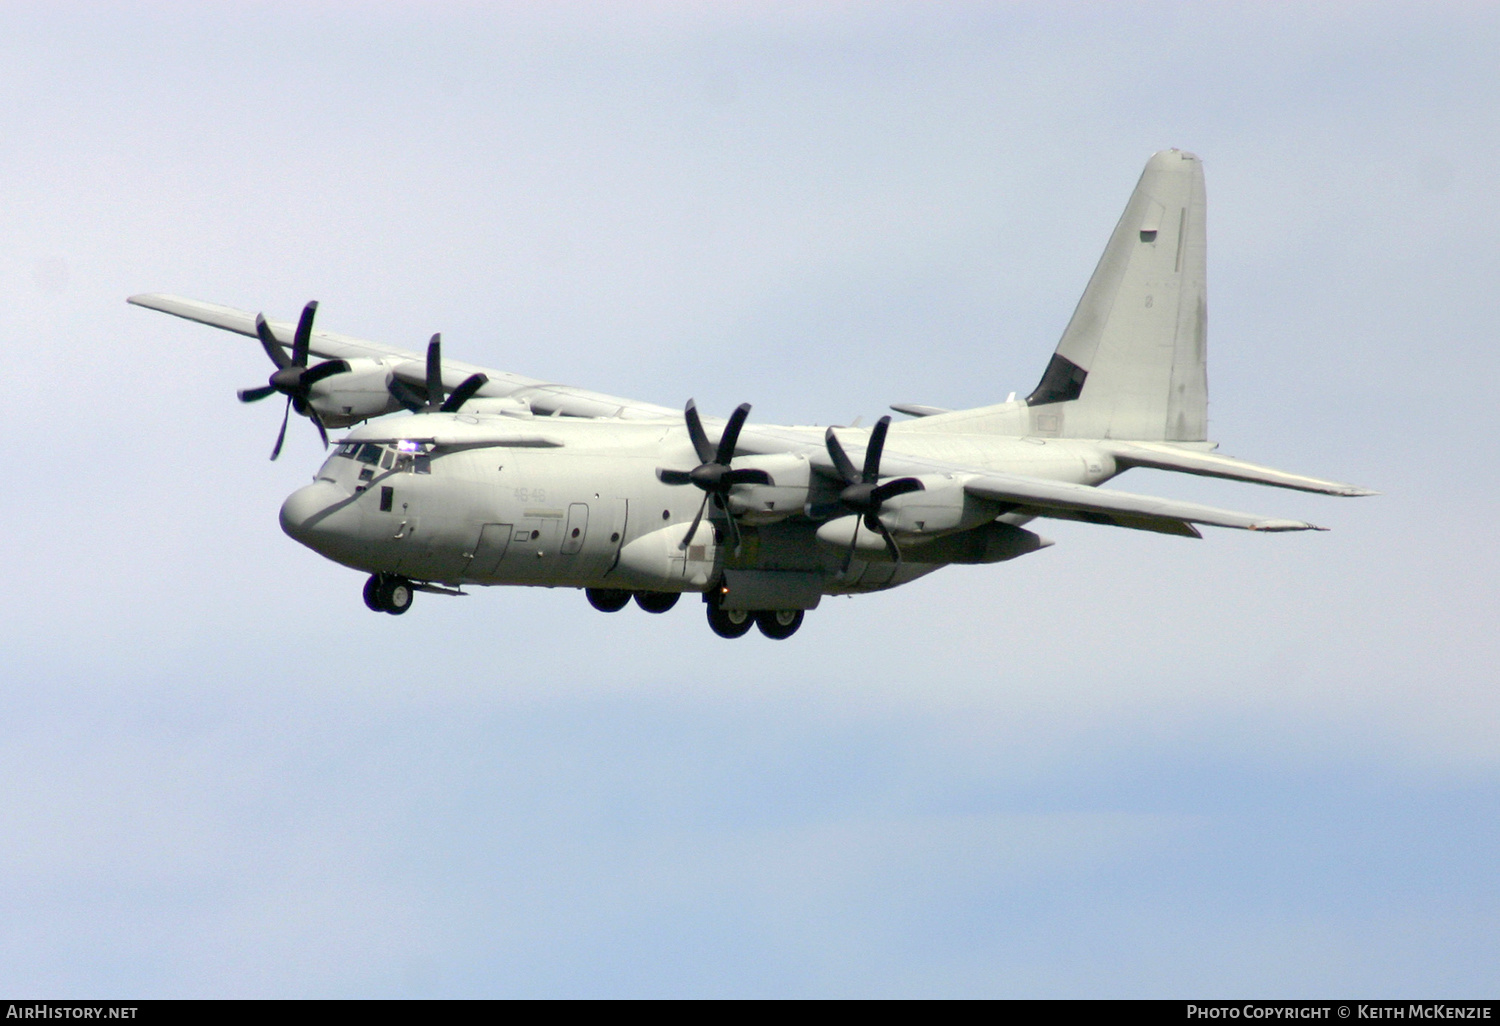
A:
(293, 378)
(863, 494)
(433, 402)
(713, 473)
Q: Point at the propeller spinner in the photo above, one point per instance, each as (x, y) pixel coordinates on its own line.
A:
(863, 494)
(713, 473)
(293, 378)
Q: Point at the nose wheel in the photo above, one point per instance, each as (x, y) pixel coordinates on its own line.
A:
(387, 594)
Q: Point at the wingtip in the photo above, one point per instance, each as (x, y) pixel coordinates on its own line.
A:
(1275, 526)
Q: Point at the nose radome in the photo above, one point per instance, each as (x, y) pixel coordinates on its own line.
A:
(305, 508)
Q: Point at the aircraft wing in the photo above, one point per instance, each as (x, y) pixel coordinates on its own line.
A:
(544, 398)
(1062, 500)
(1042, 497)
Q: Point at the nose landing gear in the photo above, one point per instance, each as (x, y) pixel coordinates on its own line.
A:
(387, 594)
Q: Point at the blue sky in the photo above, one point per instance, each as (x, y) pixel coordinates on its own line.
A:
(1126, 765)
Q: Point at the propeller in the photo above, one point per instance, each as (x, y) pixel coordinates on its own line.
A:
(862, 494)
(713, 473)
(432, 401)
(293, 378)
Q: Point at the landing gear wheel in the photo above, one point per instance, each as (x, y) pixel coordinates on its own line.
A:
(657, 601)
(395, 594)
(607, 600)
(729, 623)
(779, 623)
(372, 594)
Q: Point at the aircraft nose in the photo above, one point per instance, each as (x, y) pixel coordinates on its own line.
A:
(308, 507)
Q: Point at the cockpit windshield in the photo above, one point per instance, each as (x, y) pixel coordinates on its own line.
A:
(406, 457)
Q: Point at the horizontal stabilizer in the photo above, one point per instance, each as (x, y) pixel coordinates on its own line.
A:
(918, 409)
(1207, 464)
(1064, 501)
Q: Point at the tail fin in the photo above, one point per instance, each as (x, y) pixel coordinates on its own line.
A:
(1132, 363)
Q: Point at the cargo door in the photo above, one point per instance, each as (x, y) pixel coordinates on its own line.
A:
(488, 551)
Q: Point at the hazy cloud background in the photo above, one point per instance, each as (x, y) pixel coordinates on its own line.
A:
(1127, 765)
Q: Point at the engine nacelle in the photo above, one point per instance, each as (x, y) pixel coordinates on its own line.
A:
(840, 532)
(361, 392)
(989, 543)
(766, 504)
(942, 507)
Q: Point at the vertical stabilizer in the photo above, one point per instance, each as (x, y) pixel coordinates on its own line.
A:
(1132, 363)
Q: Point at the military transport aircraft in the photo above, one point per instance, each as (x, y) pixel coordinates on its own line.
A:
(500, 479)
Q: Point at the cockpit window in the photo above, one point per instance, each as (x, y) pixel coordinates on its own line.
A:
(346, 449)
(368, 453)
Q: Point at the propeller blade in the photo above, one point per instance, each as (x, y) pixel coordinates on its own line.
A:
(406, 395)
(255, 395)
(312, 415)
(269, 344)
(673, 477)
(464, 392)
(840, 458)
(734, 529)
(701, 445)
(435, 371)
(281, 435)
(890, 542)
(891, 489)
(849, 556)
(731, 436)
(746, 476)
(874, 449)
(326, 369)
(692, 531)
(303, 338)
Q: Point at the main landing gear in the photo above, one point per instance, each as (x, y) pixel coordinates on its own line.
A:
(778, 624)
(612, 600)
(387, 594)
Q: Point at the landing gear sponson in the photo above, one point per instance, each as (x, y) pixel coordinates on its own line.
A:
(777, 624)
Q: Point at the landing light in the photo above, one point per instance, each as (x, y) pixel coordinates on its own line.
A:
(406, 446)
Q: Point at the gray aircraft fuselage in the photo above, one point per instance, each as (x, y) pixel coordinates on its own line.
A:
(579, 503)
